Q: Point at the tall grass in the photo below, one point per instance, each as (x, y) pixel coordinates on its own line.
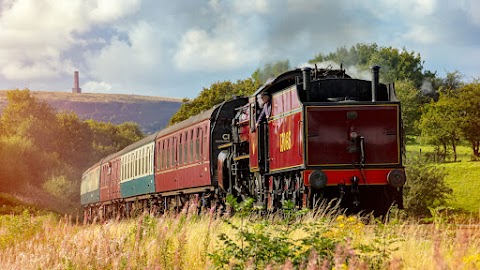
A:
(189, 242)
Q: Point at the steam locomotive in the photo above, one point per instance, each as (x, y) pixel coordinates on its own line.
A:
(327, 136)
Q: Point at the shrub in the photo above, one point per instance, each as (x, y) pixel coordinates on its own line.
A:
(60, 187)
(425, 187)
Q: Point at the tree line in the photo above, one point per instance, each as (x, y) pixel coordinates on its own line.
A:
(50, 150)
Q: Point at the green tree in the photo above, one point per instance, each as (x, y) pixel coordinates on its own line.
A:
(396, 64)
(469, 120)
(29, 117)
(271, 70)
(411, 99)
(439, 123)
(109, 138)
(128, 133)
(215, 94)
(74, 140)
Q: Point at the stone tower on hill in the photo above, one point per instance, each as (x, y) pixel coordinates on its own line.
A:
(76, 84)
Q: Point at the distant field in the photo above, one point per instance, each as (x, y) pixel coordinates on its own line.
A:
(464, 179)
(463, 176)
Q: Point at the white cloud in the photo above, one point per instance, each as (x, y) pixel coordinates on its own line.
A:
(199, 50)
(96, 87)
(250, 6)
(132, 63)
(421, 34)
(110, 10)
(34, 34)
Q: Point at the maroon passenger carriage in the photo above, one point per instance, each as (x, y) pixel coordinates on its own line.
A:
(328, 136)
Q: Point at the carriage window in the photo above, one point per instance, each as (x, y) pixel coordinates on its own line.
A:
(140, 162)
(201, 143)
(180, 149)
(160, 155)
(197, 145)
(127, 160)
(205, 144)
(145, 160)
(191, 146)
(137, 163)
(174, 149)
(168, 153)
(185, 148)
(135, 166)
(127, 175)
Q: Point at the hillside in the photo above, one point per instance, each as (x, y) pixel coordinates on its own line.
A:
(151, 113)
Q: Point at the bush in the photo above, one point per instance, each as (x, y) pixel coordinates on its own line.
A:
(425, 187)
(60, 187)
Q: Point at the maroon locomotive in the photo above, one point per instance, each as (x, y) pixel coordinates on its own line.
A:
(326, 136)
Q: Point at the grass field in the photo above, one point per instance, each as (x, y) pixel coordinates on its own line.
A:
(464, 179)
(463, 176)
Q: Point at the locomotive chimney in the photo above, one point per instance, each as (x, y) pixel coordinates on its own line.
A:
(76, 84)
(375, 81)
(306, 81)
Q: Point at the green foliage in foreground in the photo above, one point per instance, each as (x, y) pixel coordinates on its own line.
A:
(297, 241)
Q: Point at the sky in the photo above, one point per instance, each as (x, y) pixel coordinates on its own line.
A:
(176, 48)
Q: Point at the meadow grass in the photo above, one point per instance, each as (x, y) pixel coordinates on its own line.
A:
(185, 241)
(464, 179)
(463, 176)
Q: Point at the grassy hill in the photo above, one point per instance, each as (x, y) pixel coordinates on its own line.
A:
(151, 113)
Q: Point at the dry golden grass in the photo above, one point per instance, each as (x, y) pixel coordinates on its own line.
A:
(184, 242)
